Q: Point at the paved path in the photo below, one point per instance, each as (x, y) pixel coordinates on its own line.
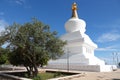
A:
(115, 75)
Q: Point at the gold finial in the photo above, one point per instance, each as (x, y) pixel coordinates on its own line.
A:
(74, 10)
(74, 6)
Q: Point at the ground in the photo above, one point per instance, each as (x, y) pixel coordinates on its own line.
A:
(115, 75)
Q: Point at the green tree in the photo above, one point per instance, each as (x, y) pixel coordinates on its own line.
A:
(32, 44)
(3, 56)
(3, 51)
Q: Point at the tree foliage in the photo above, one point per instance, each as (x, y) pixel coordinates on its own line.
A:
(3, 51)
(32, 44)
(3, 55)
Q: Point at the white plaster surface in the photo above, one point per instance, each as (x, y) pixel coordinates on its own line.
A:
(79, 51)
(75, 24)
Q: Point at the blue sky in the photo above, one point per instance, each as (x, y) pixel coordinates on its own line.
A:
(102, 18)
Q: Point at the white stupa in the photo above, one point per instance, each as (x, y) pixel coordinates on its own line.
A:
(79, 51)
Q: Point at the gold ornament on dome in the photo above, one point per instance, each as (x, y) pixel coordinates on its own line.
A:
(74, 10)
(74, 6)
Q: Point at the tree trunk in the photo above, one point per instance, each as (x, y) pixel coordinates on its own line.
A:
(30, 71)
(35, 70)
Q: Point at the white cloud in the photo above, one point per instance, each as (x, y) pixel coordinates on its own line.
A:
(108, 37)
(20, 2)
(111, 58)
(23, 3)
(3, 24)
(109, 48)
(108, 60)
(1, 13)
(109, 25)
(105, 49)
(16, 2)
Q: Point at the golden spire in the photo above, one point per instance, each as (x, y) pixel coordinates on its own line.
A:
(74, 10)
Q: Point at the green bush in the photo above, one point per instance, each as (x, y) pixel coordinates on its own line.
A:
(57, 74)
(2, 59)
(44, 76)
(48, 75)
(38, 77)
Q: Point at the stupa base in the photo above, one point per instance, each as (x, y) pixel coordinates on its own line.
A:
(78, 67)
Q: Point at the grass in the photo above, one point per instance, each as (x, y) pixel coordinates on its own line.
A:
(44, 76)
(48, 75)
(40, 76)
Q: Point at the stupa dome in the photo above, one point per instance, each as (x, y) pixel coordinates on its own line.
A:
(74, 23)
